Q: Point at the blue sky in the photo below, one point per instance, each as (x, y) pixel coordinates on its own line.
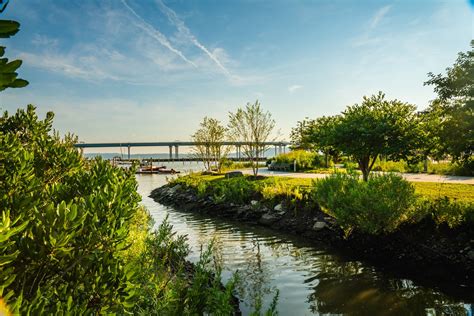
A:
(129, 70)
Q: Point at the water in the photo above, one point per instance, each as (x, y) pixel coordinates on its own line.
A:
(311, 280)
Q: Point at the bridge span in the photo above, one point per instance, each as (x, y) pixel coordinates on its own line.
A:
(280, 146)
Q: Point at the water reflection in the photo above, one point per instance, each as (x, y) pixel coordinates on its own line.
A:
(351, 288)
(311, 280)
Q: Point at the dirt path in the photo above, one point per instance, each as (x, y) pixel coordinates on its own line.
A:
(413, 177)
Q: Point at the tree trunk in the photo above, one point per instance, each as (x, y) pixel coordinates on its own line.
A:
(255, 171)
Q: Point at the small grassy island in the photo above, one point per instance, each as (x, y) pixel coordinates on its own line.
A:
(386, 219)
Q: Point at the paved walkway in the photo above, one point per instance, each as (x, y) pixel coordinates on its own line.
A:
(413, 177)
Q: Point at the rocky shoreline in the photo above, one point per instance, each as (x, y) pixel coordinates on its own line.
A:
(423, 251)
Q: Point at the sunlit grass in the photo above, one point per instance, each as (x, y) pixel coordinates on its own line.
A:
(432, 190)
(460, 192)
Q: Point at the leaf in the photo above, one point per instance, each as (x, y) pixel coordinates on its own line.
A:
(8, 28)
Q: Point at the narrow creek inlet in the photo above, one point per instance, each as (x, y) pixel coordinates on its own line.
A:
(311, 280)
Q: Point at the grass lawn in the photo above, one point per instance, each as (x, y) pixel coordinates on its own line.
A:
(461, 192)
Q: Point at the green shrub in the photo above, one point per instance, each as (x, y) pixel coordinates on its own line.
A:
(376, 206)
(444, 210)
(350, 165)
(235, 190)
(74, 239)
(304, 159)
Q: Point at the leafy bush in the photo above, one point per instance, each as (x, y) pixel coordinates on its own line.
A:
(171, 286)
(376, 206)
(236, 190)
(276, 190)
(447, 211)
(72, 231)
(304, 159)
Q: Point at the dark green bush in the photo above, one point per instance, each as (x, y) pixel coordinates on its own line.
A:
(74, 239)
(376, 206)
(447, 211)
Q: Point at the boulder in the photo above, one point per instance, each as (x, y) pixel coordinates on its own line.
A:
(278, 207)
(233, 174)
(253, 202)
(268, 219)
(173, 190)
(319, 225)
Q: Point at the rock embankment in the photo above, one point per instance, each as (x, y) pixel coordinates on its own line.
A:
(422, 251)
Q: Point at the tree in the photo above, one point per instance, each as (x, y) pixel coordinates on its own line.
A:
(252, 127)
(301, 135)
(376, 127)
(316, 135)
(209, 140)
(428, 143)
(455, 105)
(8, 76)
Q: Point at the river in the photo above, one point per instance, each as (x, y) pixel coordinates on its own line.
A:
(311, 280)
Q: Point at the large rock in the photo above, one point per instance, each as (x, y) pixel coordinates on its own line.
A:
(268, 219)
(319, 225)
(234, 174)
(173, 190)
(253, 202)
(278, 207)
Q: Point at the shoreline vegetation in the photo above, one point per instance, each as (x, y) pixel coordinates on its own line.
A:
(396, 225)
(75, 239)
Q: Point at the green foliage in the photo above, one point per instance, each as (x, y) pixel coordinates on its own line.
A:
(277, 191)
(75, 217)
(444, 168)
(253, 127)
(171, 286)
(74, 239)
(209, 140)
(318, 135)
(8, 75)
(227, 165)
(376, 206)
(304, 159)
(376, 127)
(455, 108)
(444, 210)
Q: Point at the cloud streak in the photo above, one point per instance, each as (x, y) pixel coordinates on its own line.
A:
(160, 37)
(379, 15)
(184, 30)
(294, 87)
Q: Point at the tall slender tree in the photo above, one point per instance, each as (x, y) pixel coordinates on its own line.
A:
(209, 140)
(252, 127)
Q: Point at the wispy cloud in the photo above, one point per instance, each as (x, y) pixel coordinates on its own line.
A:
(42, 40)
(294, 87)
(368, 37)
(67, 65)
(379, 16)
(153, 32)
(186, 33)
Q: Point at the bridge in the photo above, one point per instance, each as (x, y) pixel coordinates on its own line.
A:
(280, 146)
